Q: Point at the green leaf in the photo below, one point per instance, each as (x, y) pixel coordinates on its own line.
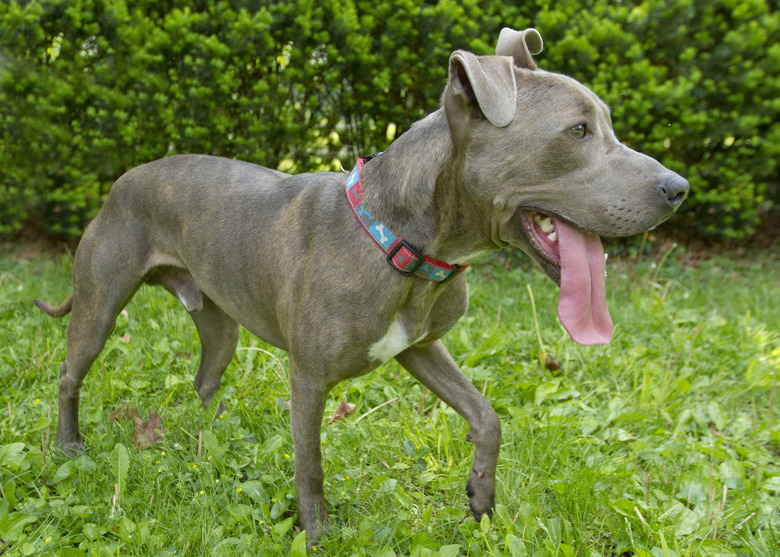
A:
(281, 529)
(239, 512)
(484, 523)
(503, 514)
(92, 532)
(82, 511)
(10, 493)
(271, 445)
(516, 546)
(298, 548)
(625, 508)
(120, 465)
(65, 471)
(714, 548)
(11, 455)
(212, 445)
(388, 486)
(566, 550)
(448, 551)
(716, 415)
(544, 390)
(279, 508)
(255, 490)
(12, 525)
(685, 520)
(127, 529)
(772, 484)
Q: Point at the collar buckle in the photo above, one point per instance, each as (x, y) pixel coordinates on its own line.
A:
(407, 261)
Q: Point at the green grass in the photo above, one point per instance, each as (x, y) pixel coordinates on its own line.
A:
(663, 444)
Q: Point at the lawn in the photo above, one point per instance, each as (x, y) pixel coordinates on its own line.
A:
(664, 443)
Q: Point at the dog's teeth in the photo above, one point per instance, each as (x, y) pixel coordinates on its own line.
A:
(606, 256)
(552, 236)
(547, 225)
(537, 218)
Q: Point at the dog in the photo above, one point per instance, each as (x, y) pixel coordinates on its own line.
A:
(346, 274)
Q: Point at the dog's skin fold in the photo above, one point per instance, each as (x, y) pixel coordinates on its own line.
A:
(515, 156)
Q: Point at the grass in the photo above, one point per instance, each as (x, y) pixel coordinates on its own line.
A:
(664, 443)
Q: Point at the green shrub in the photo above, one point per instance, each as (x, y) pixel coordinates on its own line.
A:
(91, 88)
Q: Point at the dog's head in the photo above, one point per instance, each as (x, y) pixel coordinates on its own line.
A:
(540, 150)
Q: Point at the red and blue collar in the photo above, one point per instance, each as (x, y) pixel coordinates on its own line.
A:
(403, 257)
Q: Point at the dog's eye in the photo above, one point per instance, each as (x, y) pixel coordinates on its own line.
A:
(579, 131)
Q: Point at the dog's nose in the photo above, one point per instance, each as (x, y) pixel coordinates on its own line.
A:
(675, 188)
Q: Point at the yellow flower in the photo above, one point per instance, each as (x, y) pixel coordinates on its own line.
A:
(162, 453)
(194, 466)
(47, 539)
(202, 492)
(239, 490)
(286, 455)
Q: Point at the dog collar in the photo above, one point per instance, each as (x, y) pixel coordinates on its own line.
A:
(402, 256)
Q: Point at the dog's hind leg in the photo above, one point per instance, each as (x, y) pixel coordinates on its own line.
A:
(433, 366)
(218, 339)
(87, 335)
(99, 294)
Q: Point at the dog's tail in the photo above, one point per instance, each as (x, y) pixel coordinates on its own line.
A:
(56, 311)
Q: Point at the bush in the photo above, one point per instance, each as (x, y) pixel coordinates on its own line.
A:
(91, 88)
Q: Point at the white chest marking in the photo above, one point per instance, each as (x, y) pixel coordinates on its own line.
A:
(394, 342)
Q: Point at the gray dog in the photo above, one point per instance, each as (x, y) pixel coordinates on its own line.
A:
(346, 276)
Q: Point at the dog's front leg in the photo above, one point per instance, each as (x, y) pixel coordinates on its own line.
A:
(307, 405)
(433, 366)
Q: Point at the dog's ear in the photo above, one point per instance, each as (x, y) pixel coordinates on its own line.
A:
(520, 45)
(485, 82)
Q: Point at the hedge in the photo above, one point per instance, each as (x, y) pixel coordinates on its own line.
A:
(91, 88)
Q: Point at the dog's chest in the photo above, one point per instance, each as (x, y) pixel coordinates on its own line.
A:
(395, 340)
(425, 319)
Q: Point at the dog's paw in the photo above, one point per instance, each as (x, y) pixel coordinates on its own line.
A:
(71, 448)
(316, 521)
(316, 532)
(482, 496)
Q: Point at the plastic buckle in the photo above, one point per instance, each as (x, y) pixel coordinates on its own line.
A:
(405, 272)
(455, 270)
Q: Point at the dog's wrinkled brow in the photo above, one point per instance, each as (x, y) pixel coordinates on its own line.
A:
(583, 106)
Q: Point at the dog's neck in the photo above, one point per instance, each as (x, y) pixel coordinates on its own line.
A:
(416, 188)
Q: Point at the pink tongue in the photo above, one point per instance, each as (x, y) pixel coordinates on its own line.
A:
(582, 307)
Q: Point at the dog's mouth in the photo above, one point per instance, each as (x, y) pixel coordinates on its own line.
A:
(573, 258)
